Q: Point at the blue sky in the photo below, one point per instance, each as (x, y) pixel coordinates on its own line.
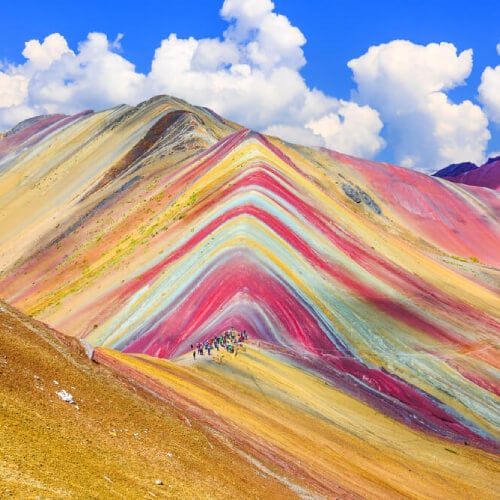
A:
(287, 58)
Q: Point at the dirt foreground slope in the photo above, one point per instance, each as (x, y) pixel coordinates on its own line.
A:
(113, 441)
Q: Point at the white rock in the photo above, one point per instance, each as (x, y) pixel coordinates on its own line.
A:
(65, 396)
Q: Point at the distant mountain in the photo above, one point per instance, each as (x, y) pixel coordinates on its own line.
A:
(487, 175)
(149, 229)
(455, 169)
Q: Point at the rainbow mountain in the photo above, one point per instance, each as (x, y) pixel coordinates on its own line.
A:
(145, 230)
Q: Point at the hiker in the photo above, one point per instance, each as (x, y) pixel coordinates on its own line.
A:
(194, 354)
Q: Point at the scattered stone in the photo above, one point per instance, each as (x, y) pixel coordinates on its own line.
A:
(351, 192)
(107, 479)
(357, 195)
(158, 482)
(368, 201)
(56, 382)
(169, 455)
(65, 396)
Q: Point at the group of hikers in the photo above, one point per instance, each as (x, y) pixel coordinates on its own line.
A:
(228, 340)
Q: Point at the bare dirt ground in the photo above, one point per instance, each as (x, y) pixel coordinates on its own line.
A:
(114, 441)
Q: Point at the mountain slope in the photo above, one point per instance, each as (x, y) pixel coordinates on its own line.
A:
(273, 406)
(114, 441)
(150, 229)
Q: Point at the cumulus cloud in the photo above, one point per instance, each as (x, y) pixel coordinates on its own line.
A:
(353, 128)
(407, 83)
(348, 127)
(489, 91)
(13, 90)
(42, 55)
(267, 39)
(250, 74)
(55, 79)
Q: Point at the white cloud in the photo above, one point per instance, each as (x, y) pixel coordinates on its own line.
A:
(249, 13)
(56, 79)
(212, 55)
(348, 127)
(489, 91)
(13, 90)
(407, 84)
(95, 77)
(42, 55)
(298, 135)
(353, 128)
(250, 74)
(267, 39)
